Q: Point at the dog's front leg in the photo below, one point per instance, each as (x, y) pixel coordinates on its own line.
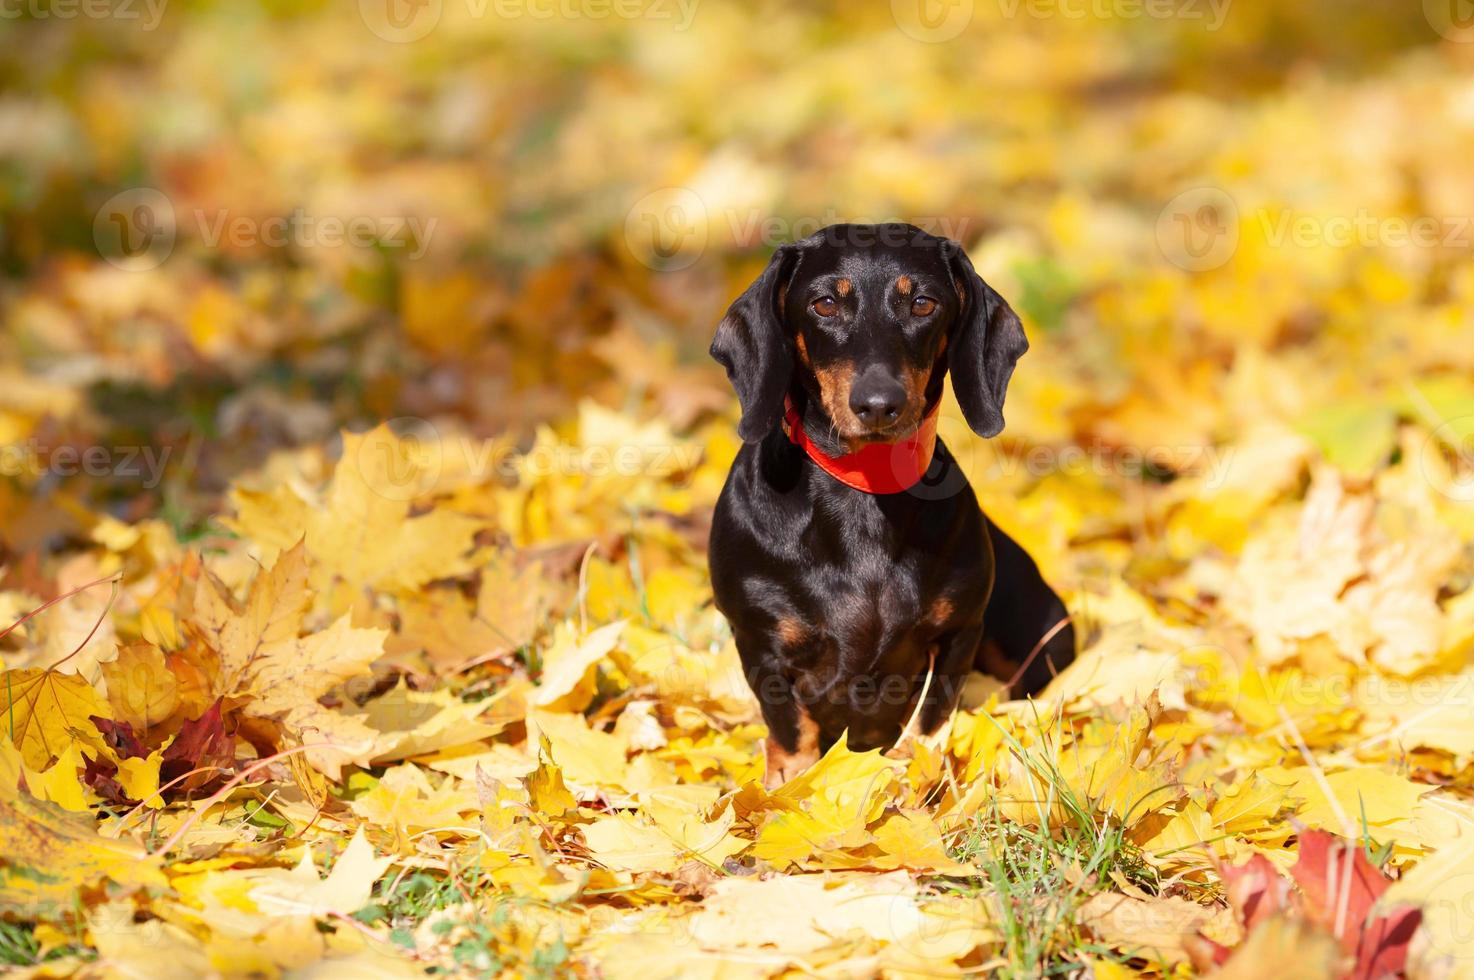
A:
(792, 744)
(937, 695)
(784, 762)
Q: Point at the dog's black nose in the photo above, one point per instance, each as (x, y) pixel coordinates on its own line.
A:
(877, 400)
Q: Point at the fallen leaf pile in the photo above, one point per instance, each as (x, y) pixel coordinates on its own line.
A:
(339, 696)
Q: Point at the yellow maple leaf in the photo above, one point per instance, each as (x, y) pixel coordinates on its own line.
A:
(405, 801)
(152, 948)
(282, 674)
(333, 738)
(1188, 839)
(140, 779)
(75, 634)
(567, 664)
(47, 854)
(60, 783)
(1365, 796)
(267, 623)
(419, 723)
(911, 839)
(710, 841)
(364, 532)
(1281, 946)
(828, 807)
(546, 791)
(1154, 928)
(589, 759)
(301, 891)
(624, 842)
(140, 686)
(303, 670)
(45, 712)
(504, 616)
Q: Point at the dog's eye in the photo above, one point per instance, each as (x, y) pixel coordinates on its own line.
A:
(923, 306)
(825, 306)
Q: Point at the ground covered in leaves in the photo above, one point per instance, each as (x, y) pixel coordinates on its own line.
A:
(294, 691)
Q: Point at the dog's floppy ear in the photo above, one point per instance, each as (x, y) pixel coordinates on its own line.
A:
(751, 346)
(987, 342)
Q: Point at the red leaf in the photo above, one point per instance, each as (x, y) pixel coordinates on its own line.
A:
(201, 744)
(98, 774)
(119, 737)
(1338, 883)
(1205, 953)
(1384, 944)
(1256, 890)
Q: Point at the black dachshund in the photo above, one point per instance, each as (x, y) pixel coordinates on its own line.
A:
(848, 552)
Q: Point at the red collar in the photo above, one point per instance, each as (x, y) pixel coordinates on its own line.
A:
(880, 467)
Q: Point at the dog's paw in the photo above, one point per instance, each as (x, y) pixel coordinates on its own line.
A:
(784, 765)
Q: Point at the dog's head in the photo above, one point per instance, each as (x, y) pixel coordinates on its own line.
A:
(867, 319)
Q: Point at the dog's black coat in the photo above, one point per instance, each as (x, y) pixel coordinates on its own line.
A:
(840, 599)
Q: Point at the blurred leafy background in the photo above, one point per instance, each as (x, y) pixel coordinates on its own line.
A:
(1239, 233)
(539, 144)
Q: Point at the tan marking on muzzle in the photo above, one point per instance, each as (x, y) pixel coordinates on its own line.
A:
(835, 382)
(915, 380)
